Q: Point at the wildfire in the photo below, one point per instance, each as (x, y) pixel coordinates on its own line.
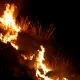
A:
(9, 33)
(9, 26)
(40, 67)
(40, 64)
(43, 67)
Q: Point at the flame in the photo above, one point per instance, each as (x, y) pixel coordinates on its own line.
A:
(10, 34)
(15, 46)
(40, 65)
(8, 24)
(28, 57)
(64, 79)
(43, 67)
(25, 58)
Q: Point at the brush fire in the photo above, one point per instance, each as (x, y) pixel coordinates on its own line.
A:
(9, 30)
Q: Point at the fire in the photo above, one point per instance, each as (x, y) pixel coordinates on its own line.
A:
(15, 46)
(10, 32)
(40, 65)
(43, 67)
(8, 24)
(25, 58)
(64, 79)
(28, 57)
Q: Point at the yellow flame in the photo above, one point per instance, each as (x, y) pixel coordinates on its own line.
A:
(64, 79)
(31, 57)
(15, 46)
(40, 65)
(1, 36)
(8, 24)
(11, 30)
(40, 60)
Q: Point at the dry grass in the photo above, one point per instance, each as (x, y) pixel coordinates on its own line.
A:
(61, 68)
(35, 29)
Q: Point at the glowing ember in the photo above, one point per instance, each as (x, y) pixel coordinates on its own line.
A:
(8, 24)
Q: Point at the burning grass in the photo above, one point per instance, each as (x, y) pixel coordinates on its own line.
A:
(35, 29)
(21, 67)
(33, 63)
(60, 66)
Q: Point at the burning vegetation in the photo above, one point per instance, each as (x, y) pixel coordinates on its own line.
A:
(8, 24)
(9, 30)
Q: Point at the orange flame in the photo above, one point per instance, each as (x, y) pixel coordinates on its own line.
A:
(42, 66)
(8, 24)
(39, 65)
